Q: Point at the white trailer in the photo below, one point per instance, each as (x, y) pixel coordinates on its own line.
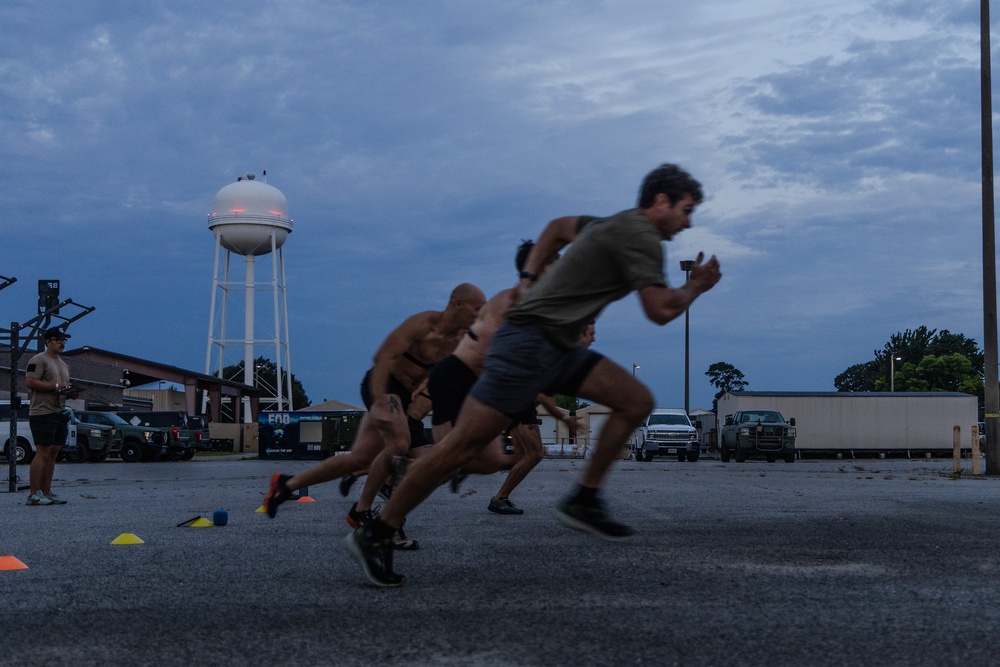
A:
(866, 422)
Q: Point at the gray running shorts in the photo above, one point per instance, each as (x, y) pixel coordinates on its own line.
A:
(523, 363)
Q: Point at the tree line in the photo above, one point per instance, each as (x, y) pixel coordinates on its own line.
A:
(920, 359)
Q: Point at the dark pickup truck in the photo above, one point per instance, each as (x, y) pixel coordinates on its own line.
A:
(184, 432)
(757, 433)
(137, 443)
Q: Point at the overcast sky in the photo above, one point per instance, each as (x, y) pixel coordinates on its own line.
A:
(417, 143)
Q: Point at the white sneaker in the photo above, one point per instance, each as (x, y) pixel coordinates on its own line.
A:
(54, 499)
(38, 498)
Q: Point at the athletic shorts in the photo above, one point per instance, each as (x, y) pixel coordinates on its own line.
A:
(51, 429)
(523, 363)
(449, 383)
(395, 387)
(529, 416)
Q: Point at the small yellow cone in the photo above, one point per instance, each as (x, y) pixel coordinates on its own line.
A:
(11, 563)
(127, 538)
(261, 510)
(305, 499)
(201, 522)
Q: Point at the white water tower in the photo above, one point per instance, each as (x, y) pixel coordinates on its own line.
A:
(250, 219)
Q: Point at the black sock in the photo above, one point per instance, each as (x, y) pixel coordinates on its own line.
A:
(585, 495)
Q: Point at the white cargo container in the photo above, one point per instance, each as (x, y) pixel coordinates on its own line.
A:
(832, 422)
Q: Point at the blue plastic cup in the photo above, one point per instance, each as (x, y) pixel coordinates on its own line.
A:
(220, 518)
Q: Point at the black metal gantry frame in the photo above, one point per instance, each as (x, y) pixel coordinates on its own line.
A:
(16, 345)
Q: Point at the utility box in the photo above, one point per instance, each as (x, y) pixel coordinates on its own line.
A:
(305, 434)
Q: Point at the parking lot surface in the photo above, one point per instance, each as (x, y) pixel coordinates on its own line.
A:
(813, 563)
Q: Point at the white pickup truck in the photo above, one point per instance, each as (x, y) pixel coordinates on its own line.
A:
(667, 431)
(24, 448)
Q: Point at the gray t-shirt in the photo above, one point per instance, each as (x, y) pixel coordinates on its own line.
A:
(51, 369)
(608, 259)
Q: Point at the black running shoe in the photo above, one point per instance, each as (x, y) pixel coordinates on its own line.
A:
(346, 482)
(277, 493)
(503, 506)
(375, 558)
(386, 491)
(356, 519)
(456, 482)
(591, 519)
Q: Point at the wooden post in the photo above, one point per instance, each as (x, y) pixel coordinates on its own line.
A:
(975, 450)
(956, 443)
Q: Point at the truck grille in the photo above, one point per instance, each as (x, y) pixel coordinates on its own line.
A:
(768, 437)
(682, 437)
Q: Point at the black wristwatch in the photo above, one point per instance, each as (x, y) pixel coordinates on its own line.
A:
(525, 275)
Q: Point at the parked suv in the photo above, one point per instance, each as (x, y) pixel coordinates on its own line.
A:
(138, 443)
(24, 448)
(184, 440)
(667, 431)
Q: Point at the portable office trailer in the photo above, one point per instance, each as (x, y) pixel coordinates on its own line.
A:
(866, 422)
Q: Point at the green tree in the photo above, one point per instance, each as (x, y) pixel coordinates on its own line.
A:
(926, 360)
(570, 403)
(267, 372)
(725, 377)
(859, 377)
(952, 372)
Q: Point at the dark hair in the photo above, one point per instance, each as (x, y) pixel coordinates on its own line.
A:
(672, 181)
(523, 251)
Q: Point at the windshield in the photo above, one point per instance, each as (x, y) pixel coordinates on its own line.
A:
(762, 416)
(113, 418)
(668, 420)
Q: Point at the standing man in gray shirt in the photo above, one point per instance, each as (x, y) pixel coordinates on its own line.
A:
(47, 377)
(536, 351)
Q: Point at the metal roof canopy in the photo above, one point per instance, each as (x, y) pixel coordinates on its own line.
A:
(144, 371)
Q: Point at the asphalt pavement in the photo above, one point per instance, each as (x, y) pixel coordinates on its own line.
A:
(874, 562)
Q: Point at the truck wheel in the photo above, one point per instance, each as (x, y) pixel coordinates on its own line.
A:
(790, 458)
(78, 455)
(693, 456)
(739, 455)
(724, 452)
(23, 453)
(771, 458)
(187, 455)
(130, 452)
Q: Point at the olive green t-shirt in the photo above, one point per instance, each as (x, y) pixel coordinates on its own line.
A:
(608, 259)
(50, 369)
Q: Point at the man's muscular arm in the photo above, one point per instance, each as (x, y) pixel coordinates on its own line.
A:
(399, 341)
(662, 304)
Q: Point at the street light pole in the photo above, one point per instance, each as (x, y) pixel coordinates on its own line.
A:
(686, 266)
(992, 390)
(634, 366)
(892, 371)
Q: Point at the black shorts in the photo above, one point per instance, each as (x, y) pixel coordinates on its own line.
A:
(395, 387)
(529, 416)
(418, 436)
(449, 383)
(51, 429)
